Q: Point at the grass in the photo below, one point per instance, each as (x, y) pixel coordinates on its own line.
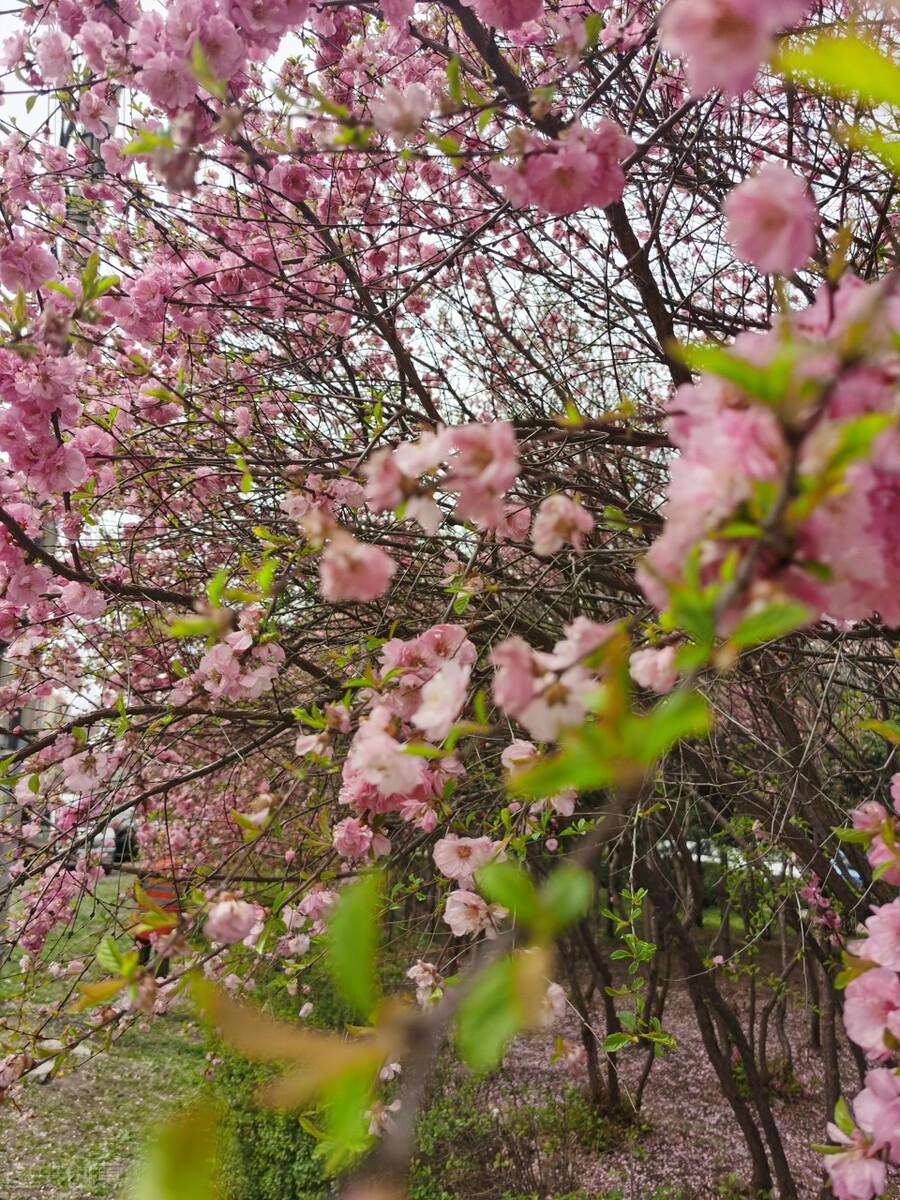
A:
(77, 1136)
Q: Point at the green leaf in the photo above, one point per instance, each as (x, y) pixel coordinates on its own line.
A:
(616, 1041)
(843, 1118)
(844, 66)
(54, 286)
(858, 837)
(584, 761)
(204, 74)
(768, 383)
(773, 622)
(147, 142)
(567, 895)
(250, 831)
(489, 1016)
(193, 627)
(109, 956)
(855, 440)
(353, 942)
(97, 993)
(681, 715)
(345, 1133)
(889, 730)
(179, 1164)
(454, 80)
(508, 884)
(217, 586)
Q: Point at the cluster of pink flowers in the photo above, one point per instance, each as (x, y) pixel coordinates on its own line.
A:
(32, 391)
(857, 1166)
(233, 669)
(846, 547)
(772, 220)
(303, 922)
(354, 838)
(507, 14)
(48, 903)
(580, 169)
(548, 693)
(725, 41)
(158, 46)
(423, 688)
(481, 464)
(820, 906)
(427, 980)
(231, 920)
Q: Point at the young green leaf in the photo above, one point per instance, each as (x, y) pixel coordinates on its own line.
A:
(109, 956)
(353, 942)
(508, 884)
(567, 895)
(844, 66)
(503, 1000)
(773, 622)
(180, 1161)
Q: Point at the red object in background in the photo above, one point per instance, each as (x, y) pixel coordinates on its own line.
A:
(160, 885)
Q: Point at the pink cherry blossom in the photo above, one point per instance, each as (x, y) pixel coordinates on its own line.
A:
(26, 264)
(872, 1008)
(877, 1110)
(518, 754)
(583, 168)
(402, 112)
(466, 912)
(443, 696)
(553, 1006)
(352, 571)
(560, 703)
(427, 980)
(168, 81)
(582, 638)
(459, 858)
(855, 1174)
(230, 920)
(379, 759)
(772, 220)
(560, 520)
(54, 57)
(485, 465)
(654, 669)
(517, 672)
(883, 942)
(352, 838)
(724, 41)
(507, 14)
(86, 771)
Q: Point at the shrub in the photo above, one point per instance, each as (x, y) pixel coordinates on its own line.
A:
(265, 1154)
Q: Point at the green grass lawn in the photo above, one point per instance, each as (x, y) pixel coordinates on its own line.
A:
(77, 1136)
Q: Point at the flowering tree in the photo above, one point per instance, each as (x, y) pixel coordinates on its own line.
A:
(400, 398)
